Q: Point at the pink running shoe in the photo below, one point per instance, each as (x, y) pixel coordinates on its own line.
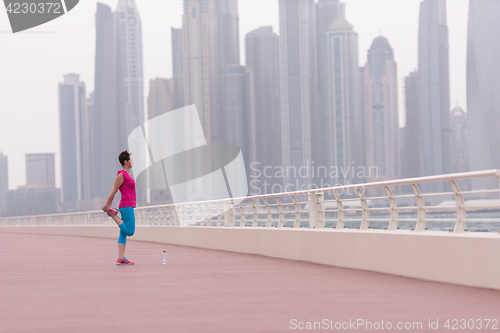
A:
(112, 212)
(124, 261)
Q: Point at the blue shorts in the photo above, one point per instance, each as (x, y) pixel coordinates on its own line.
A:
(127, 228)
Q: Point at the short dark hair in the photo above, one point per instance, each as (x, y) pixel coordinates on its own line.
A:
(124, 156)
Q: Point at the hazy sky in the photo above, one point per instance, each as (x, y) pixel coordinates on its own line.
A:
(32, 63)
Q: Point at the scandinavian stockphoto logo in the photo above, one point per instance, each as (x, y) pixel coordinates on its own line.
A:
(171, 151)
(26, 14)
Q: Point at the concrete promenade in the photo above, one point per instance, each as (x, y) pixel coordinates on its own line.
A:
(71, 284)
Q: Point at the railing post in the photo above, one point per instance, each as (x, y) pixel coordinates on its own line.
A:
(393, 224)
(313, 210)
(269, 217)
(209, 215)
(143, 212)
(202, 216)
(175, 212)
(255, 222)
(242, 215)
(281, 221)
(171, 218)
(365, 214)
(297, 212)
(461, 213)
(340, 210)
(193, 217)
(160, 214)
(228, 213)
(142, 216)
(219, 214)
(322, 216)
(421, 209)
(316, 215)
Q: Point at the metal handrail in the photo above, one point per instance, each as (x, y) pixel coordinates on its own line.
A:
(249, 211)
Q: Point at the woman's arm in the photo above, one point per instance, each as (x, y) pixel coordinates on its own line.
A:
(114, 189)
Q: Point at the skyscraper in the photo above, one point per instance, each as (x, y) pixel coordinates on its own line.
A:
(344, 129)
(483, 85)
(162, 98)
(299, 85)
(129, 32)
(177, 59)
(40, 170)
(90, 112)
(4, 183)
(434, 90)
(381, 113)
(460, 138)
(202, 73)
(229, 42)
(411, 158)
(119, 92)
(109, 138)
(238, 100)
(229, 32)
(262, 57)
(239, 116)
(76, 157)
(327, 12)
(177, 67)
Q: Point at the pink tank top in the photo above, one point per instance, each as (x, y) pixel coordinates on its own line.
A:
(127, 189)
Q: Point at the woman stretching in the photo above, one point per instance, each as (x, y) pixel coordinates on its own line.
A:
(126, 184)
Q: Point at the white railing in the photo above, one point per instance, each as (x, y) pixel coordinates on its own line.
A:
(310, 208)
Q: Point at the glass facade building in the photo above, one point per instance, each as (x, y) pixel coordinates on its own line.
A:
(483, 84)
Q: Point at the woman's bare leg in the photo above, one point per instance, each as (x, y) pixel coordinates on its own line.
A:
(121, 251)
(118, 220)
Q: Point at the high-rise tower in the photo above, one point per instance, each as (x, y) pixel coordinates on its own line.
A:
(119, 90)
(381, 113)
(109, 138)
(162, 98)
(40, 170)
(411, 158)
(177, 67)
(434, 89)
(262, 57)
(483, 85)
(76, 157)
(129, 32)
(327, 12)
(299, 85)
(344, 129)
(229, 34)
(460, 138)
(202, 73)
(239, 116)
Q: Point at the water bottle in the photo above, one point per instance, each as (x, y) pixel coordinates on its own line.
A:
(164, 258)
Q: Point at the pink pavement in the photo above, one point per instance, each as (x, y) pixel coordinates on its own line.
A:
(71, 284)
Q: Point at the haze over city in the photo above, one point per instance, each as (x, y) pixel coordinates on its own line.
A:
(29, 120)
